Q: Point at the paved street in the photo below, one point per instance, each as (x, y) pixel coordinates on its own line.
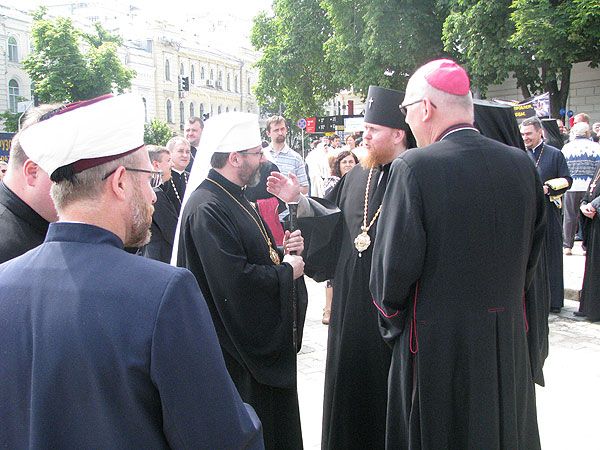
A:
(568, 407)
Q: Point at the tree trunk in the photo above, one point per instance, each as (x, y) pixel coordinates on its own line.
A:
(558, 96)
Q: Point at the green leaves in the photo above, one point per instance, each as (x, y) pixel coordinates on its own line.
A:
(63, 72)
(157, 132)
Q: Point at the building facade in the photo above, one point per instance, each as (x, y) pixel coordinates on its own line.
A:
(159, 52)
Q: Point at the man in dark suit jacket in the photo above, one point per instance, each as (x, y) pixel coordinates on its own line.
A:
(101, 348)
(164, 218)
(459, 235)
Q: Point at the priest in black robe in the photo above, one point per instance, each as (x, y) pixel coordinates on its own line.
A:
(554, 173)
(339, 246)
(25, 204)
(589, 304)
(459, 236)
(246, 280)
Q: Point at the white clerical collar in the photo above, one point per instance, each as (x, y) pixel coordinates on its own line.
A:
(178, 171)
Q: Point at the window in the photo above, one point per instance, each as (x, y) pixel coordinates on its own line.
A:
(181, 71)
(219, 109)
(13, 50)
(167, 70)
(235, 84)
(13, 95)
(248, 91)
(201, 110)
(202, 73)
(228, 82)
(169, 111)
(212, 74)
(181, 113)
(192, 110)
(145, 110)
(192, 75)
(227, 109)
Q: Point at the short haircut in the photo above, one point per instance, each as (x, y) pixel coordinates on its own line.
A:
(218, 160)
(176, 140)
(273, 120)
(87, 185)
(582, 117)
(195, 119)
(17, 154)
(537, 124)
(580, 129)
(154, 152)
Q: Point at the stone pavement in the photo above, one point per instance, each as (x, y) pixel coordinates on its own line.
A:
(568, 406)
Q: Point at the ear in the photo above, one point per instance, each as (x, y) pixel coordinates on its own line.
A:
(31, 172)
(155, 165)
(234, 159)
(399, 136)
(118, 183)
(428, 110)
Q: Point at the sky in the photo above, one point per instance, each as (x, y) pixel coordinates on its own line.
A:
(245, 8)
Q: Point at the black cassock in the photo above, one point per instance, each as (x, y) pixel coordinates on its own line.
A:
(249, 300)
(21, 228)
(459, 236)
(590, 292)
(552, 164)
(358, 359)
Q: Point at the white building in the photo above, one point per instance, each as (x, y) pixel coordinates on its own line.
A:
(15, 84)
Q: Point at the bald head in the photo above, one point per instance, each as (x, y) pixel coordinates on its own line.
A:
(437, 97)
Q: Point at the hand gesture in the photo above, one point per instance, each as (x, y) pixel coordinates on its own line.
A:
(285, 188)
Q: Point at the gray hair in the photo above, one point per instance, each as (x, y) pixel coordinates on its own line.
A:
(175, 141)
(87, 185)
(580, 130)
(537, 124)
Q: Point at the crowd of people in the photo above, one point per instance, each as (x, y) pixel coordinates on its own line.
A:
(442, 249)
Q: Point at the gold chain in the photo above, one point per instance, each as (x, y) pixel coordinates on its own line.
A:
(272, 251)
(537, 163)
(366, 228)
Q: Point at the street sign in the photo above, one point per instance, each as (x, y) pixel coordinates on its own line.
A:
(301, 124)
(311, 124)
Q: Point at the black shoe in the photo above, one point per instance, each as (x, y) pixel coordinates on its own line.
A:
(579, 314)
(555, 310)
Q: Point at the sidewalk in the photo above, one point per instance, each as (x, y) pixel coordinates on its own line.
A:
(567, 407)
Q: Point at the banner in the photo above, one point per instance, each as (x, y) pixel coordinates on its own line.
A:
(5, 140)
(530, 107)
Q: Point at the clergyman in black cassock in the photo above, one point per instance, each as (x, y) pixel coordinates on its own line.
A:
(459, 235)
(354, 406)
(589, 304)
(230, 250)
(551, 165)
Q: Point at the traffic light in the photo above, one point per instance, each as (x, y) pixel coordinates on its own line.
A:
(185, 83)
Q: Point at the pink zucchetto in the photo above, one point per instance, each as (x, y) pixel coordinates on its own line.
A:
(447, 76)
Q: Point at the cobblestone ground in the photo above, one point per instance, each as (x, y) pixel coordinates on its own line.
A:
(568, 406)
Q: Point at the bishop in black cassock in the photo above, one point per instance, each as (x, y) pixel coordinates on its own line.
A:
(358, 359)
(226, 244)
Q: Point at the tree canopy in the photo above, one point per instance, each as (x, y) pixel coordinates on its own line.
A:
(68, 65)
(313, 48)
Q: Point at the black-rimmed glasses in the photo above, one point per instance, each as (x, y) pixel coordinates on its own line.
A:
(155, 181)
(404, 106)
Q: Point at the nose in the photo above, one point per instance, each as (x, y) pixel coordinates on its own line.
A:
(153, 197)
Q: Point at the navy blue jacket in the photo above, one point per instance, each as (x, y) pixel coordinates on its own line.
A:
(104, 349)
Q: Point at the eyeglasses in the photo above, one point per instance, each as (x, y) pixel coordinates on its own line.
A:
(246, 152)
(155, 181)
(403, 107)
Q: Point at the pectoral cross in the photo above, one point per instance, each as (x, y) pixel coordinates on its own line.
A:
(370, 102)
